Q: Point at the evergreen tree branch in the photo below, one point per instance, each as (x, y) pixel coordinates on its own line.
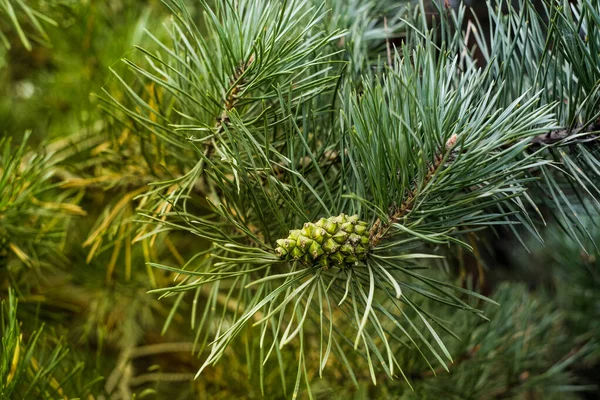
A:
(379, 230)
(424, 155)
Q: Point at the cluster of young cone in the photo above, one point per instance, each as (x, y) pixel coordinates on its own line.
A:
(335, 241)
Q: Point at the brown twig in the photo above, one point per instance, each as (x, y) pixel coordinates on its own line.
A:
(161, 377)
(233, 96)
(231, 99)
(120, 375)
(159, 348)
(556, 136)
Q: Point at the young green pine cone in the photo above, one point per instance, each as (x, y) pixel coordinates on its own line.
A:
(335, 241)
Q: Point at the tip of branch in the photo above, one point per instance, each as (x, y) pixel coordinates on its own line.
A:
(450, 143)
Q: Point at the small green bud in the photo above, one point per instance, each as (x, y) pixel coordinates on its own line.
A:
(294, 234)
(351, 259)
(354, 239)
(281, 252)
(287, 244)
(359, 250)
(307, 230)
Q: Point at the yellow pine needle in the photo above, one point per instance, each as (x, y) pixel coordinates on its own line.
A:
(124, 136)
(152, 102)
(32, 298)
(153, 253)
(93, 250)
(84, 182)
(69, 208)
(15, 361)
(163, 207)
(147, 259)
(21, 255)
(101, 148)
(53, 382)
(112, 215)
(174, 251)
(128, 258)
(115, 255)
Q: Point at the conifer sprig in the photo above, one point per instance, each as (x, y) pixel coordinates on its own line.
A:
(252, 53)
(33, 211)
(446, 151)
(39, 365)
(431, 187)
(551, 51)
(428, 149)
(26, 19)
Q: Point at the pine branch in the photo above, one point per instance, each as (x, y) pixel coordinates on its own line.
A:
(393, 144)
(235, 84)
(385, 153)
(379, 229)
(550, 51)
